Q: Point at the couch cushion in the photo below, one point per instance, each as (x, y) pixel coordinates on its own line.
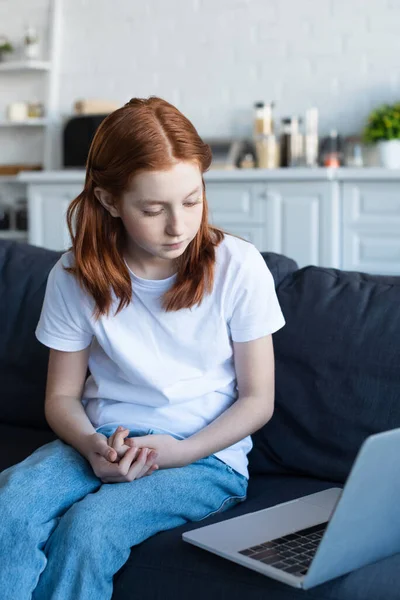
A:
(279, 265)
(17, 443)
(337, 371)
(23, 360)
(164, 567)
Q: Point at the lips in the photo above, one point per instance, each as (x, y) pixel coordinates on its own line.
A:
(174, 245)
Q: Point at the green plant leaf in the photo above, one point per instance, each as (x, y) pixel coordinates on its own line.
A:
(383, 123)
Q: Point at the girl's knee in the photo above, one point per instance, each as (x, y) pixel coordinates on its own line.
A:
(80, 530)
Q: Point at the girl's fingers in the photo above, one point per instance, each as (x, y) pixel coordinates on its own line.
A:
(151, 458)
(112, 455)
(119, 436)
(133, 461)
(140, 465)
(111, 439)
(135, 464)
(151, 470)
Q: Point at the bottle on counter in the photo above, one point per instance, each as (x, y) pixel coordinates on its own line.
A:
(263, 121)
(247, 162)
(264, 136)
(21, 214)
(331, 151)
(291, 143)
(4, 217)
(311, 140)
(353, 152)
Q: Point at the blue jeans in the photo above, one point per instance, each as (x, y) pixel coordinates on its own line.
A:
(64, 534)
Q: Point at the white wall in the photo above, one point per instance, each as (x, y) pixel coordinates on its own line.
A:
(214, 58)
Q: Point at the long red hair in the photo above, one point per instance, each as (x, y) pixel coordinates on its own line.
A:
(145, 134)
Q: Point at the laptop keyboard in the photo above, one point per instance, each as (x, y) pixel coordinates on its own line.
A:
(291, 553)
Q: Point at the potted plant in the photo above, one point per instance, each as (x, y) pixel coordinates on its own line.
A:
(31, 43)
(383, 128)
(5, 46)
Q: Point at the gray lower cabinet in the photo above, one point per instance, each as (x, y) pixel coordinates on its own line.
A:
(47, 208)
(371, 226)
(239, 208)
(303, 221)
(350, 224)
(298, 219)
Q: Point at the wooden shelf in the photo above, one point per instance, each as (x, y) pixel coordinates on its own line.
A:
(26, 123)
(13, 234)
(24, 65)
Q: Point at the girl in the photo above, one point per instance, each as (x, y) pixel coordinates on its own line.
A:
(174, 319)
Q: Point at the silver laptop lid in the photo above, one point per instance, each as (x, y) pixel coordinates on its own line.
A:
(365, 524)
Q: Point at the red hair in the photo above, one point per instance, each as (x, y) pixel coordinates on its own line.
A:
(144, 135)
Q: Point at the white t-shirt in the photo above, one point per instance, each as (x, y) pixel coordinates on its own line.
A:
(170, 371)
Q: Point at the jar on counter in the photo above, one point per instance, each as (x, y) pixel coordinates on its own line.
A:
(247, 162)
(291, 143)
(263, 136)
(353, 152)
(331, 150)
(263, 120)
(266, 151)
(4, 217)
(21, 214)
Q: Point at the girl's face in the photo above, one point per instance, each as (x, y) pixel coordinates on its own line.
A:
(161, 212)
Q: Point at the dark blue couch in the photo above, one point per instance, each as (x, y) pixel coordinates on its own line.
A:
(337, 381)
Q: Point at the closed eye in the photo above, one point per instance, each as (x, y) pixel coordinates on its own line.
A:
(152, 213)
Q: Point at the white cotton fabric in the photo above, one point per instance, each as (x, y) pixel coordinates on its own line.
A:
(169, 371)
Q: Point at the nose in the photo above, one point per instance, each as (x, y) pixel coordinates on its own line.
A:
(175, 224)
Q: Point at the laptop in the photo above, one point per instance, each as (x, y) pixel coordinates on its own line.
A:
(318, 537)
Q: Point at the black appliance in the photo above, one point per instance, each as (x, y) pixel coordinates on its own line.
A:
(77, 137)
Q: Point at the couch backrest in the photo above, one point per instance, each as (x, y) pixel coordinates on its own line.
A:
(337, 360)
(23, 360)
(337, 371)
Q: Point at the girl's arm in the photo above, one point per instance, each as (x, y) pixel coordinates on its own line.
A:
(66, 416)
(63, 407)
(254, 363)
(255, 372)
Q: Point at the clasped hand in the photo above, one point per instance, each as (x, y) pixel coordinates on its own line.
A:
(119, 458)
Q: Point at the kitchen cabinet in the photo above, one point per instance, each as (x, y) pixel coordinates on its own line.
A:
(371, 226)
(341, 218)
(299, 219)
(239, 208)
(302, 221)
(47, 208)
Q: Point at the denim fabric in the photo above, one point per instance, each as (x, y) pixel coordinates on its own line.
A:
(64, 534)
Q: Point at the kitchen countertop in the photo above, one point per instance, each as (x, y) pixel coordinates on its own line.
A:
(284, 174)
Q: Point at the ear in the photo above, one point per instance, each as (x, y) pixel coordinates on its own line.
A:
(106, 199)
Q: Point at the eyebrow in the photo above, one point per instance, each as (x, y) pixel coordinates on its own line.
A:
(150, 201)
